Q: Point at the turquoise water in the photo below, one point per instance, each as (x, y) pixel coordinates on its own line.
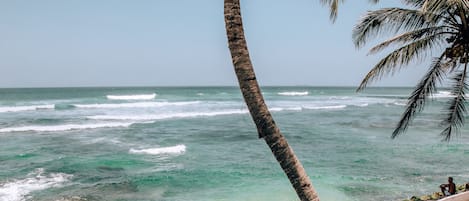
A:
(177, 144)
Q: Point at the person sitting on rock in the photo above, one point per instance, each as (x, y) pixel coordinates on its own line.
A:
(449, 188)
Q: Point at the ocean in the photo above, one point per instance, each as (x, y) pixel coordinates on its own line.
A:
(200, 144)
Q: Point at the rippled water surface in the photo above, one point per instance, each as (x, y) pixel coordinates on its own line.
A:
(177, 144)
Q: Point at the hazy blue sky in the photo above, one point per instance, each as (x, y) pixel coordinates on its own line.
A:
(57, 43)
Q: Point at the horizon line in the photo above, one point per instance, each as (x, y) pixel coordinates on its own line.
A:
(195, 86)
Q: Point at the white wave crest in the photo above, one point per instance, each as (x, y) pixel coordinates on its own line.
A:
(25, 108)
(65, 127)
(400, 103)
(332, 107)
(443, 94)
(132, 97)
(178, 149)
(18, 190)
(294, 93)
(362, 105)
(166, 116)
(136, 105)
(279, 109)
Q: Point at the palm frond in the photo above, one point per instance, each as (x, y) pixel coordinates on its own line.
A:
(399, 57)
(412, 36)
(432, 23)
(456, 108)
(416, 102)
(451, 65)
(436, 6)
(414, 3)
(460, 7)
(391, 20)
(334, 7)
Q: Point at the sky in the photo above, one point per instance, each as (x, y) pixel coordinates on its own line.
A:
(83, 43)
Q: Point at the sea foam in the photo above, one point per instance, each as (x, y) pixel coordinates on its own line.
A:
(279, 109)
(136, 105)
(443, 94)
(178, 149)
(18, 190)
(25, 108)
(132, 97)
(293, 93)
(142, 117)
(331, 107)
(64, 127)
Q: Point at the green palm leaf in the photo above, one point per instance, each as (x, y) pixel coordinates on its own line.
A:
(459, 7)
(436, 6)
(412, 36)
(401, 56)
(433, 23)
(392, 20)
(456, 108)
(416, 102)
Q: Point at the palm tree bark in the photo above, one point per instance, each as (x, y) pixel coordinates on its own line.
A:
(266, 127)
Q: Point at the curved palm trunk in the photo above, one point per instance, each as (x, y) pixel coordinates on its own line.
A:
(252, 96)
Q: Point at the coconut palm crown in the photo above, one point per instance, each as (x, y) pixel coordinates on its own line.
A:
(436, 29)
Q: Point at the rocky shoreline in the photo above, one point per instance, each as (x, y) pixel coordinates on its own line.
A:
(436, 195)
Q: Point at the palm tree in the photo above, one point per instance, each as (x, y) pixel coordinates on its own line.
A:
(266, 127)
(427, 26)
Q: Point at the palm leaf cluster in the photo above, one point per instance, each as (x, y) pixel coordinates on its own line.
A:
(435, 29)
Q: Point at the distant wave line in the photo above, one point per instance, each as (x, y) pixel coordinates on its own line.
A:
(132, 97)
(279, 109)
(325, 107)
(64, 127)
(443, 94)
(25, 108)
(147, 117)
(135, 105)
(294, 93)
(439, 94)
(166, 116)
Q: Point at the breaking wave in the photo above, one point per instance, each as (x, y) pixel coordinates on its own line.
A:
(443, 94)
(136, 105)
(18, 190)
(132, 97)
(325, 107)
(25, 108)
(65, 127)
(178, 149)
(294, 93)
(279, 109)
(166, 116)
